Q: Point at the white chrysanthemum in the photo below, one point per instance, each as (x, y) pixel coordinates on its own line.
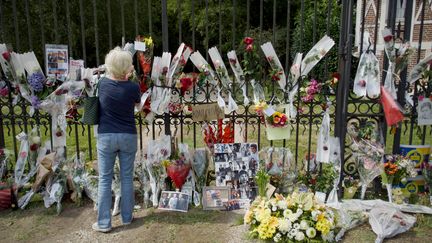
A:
(311, 232)
(274, 208)
(299, 212)
(282, 204)
(36, 140)
(284, 225)
(299, 236)
(290, 215)
(315, 214)
(277, 237)
(296, 226)
(304, 225)
(293, 232)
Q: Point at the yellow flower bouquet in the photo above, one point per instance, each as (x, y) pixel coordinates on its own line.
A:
(295, 218)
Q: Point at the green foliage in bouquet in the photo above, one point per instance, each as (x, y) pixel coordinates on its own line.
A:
(318, 181)
(262, 179)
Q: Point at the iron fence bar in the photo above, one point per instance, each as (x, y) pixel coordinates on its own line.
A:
(95, 22)
(344, 68)
(83, 44)
(165, 48)
(69, 29)
(391, 24)
(2, 23)
(109, 24)
(234, 23)
(122, 19)
(247, 16)
(206, 39)
(314, 22)
(363, 16)
(29, 32)
(415, 85)
(56, 32)
(261, 20)
(288, 27)
(149, 16)
(193, 47)
(16, 28)
(136, 16)
(89, 137)
(329, 13)
(179, 5)
(403, 82)
(376, 25)
(274, 23)
(220, 24)
(42, 29)
(299, 85)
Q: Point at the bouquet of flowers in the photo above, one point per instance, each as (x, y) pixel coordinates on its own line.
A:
(4, 158)
(238, 73)
(419, 69)
(157, 151)
(185, 82)
(179, 61)
(398, 59)
(224, 78)
(204, 68)
(200, 164)
(179, 165)
(397, 169)
(318, 51)
(392, 110)
(277, 119)
(350, 185)
(277, 73)
(298, 217)
(318, 181)
(367, 77)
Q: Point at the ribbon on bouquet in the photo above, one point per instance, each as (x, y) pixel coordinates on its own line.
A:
(225, 81)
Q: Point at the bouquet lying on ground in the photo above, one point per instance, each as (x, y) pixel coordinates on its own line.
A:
(298, 217)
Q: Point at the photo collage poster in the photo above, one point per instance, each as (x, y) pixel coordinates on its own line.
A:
(57, 61)
(236, 165)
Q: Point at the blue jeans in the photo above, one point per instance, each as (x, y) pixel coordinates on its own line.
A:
(109, 146)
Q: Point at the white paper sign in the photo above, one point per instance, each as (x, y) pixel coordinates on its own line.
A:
(140, 46)
(424, 110)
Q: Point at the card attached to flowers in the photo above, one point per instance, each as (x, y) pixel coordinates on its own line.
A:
(207, 112)
(424, 111)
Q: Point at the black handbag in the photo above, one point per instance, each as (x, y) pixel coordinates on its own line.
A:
(91, 108)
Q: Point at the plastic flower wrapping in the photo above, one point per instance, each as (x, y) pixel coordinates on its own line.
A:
(297, 217)
(75, 170)
(200, 165)
(225, 81)
(238, 73)
(368, 155)
(157, 152)
(179, 166)
(280, 166)
(277, 73)
(427, 174)
(318, 51)
(398, 55)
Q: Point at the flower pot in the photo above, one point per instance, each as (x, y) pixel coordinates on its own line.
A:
(349, 192)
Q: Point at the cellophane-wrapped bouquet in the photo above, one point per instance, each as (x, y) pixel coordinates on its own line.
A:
(297, 217)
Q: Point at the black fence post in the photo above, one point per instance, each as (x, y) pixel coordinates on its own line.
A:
(402, 87)
(167, 120)
(344, 69)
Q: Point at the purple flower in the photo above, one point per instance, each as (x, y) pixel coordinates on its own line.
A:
(35, 102)
(36, 81)
(4, 91)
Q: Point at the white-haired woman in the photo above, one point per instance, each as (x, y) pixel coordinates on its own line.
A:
(117, 136)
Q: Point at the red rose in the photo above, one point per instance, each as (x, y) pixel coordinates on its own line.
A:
(248, 41)
(362, 83)
(2, 151)
(59, 133)
(283, 119)
(186, 84)
(233, 61)
(34, 147)
(6, 55)
(388, 38)
(249, 48)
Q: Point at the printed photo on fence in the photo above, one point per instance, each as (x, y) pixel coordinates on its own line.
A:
(215, 197)
(57, 61)
(236, 165)
(424, 110)
(174, 201)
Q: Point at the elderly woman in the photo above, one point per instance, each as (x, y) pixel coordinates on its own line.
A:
(117, 136)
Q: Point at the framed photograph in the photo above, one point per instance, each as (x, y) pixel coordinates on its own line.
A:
(215, 197)
(234, 204)
(174, 201)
